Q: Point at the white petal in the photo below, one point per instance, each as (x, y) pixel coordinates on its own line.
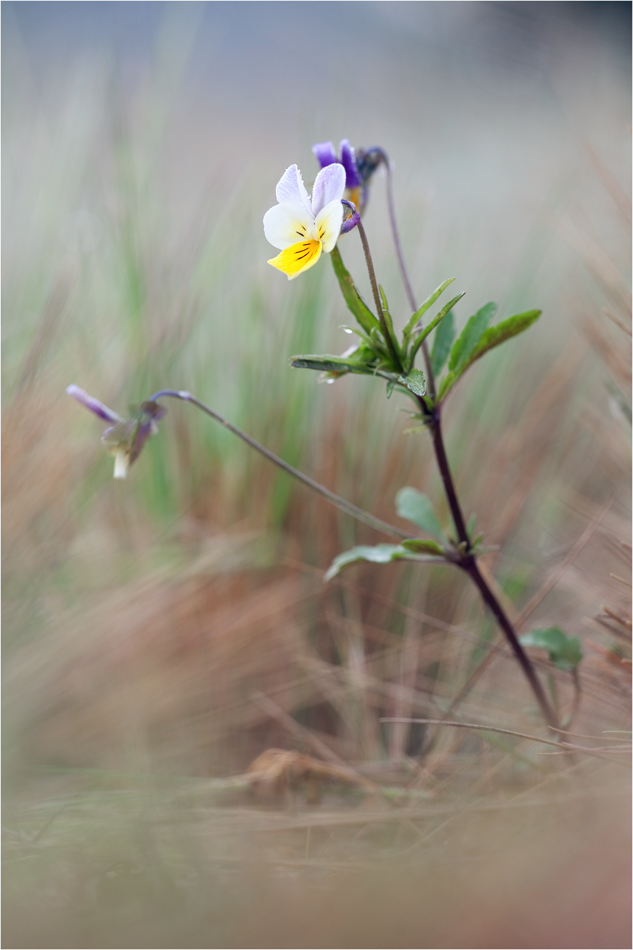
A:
(329, 223)
(291, 189)
(285, 224)
(329, 185)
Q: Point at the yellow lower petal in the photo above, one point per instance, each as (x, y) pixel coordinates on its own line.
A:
(297, 258)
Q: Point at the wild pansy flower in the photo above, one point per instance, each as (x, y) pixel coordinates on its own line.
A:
(315, 222)
(359, 167)
(126, 437)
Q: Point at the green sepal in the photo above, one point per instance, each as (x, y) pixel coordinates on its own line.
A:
(376, 554)
(419, 545)
(470, 337)
(417, 508)
(442, 343)
(353, 299)
(419, 313)
(503, 331)
(564, 652)
(431, 326)
(415, 381)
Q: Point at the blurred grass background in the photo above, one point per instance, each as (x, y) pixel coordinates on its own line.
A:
(142, 143)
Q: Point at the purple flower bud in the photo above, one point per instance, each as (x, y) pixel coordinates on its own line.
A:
(350, 223)
(126, 438)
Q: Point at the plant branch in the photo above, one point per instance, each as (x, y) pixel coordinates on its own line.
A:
(468, 560)
(359, 513)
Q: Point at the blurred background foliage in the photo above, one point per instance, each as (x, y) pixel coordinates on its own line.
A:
(142, 143)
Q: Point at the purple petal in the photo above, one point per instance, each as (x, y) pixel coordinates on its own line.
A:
(348, 161)
(93, 404)
(329, 185)
(325, 153)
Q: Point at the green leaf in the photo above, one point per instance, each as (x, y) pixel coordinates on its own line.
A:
(470, 337)
(503, 331)
(472, 521)
(442, 343)
(420, 546)
(431, 326)
(390, 387)
(415, 381)
(419, 313)
(382, 554)
(388, 321)
(330, 364)
(353, 299)
(445, 386)
(378, 554)
(564, 652)
(416, 507)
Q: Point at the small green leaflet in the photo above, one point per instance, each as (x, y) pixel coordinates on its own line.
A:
(419, 313)
(415, 381)
(564, 652)
(377, 554)
(417, 508)
(470, 337)
(442, 341)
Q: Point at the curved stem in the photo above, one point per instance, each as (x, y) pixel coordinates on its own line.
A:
(359, 513)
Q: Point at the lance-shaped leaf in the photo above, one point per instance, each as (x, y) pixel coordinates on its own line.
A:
(503, 331)
(417, 508)
(431, 326)
(415, 381)
(442, 341)
(421, 546)
(388, 321)
(376, 554)
(428, 303)
(445, 387)
(330, 364)
(564, 652)
(470, 337)
(353, 299)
